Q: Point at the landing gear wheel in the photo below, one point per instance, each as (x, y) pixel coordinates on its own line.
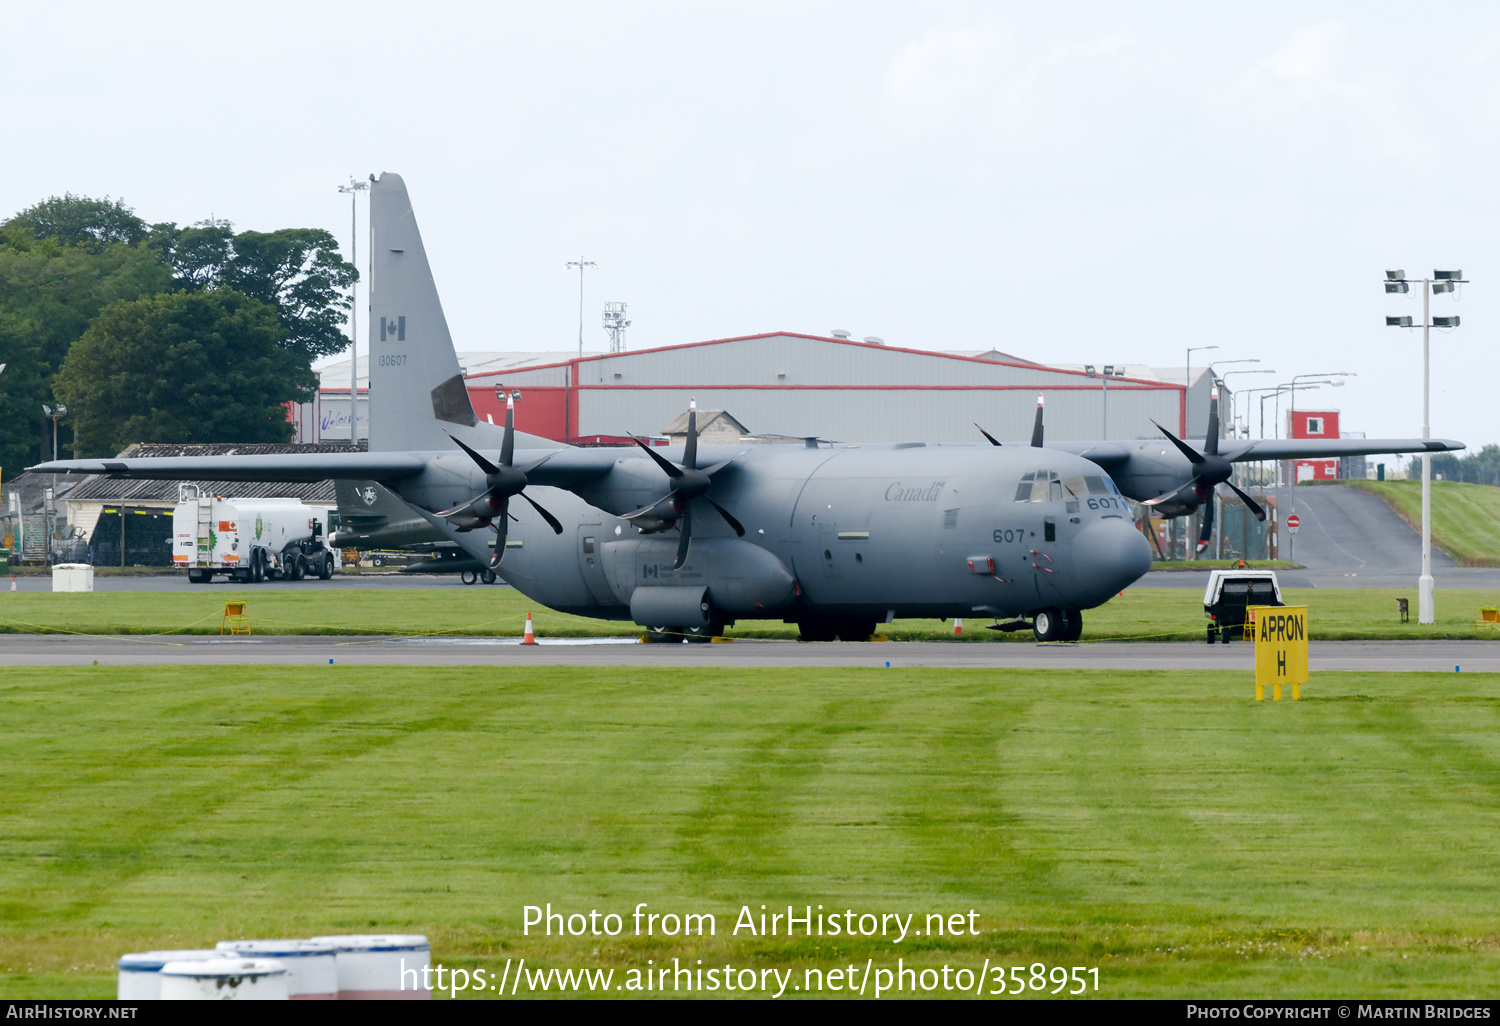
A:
(469, 576)
(856, 630)
(818, 630)
(702, 635)
(325, 572)
(1049, 624)
(1074, 630)
(487, 576)
(662, 635)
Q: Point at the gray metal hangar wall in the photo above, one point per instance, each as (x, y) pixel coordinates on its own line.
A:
(790, 384)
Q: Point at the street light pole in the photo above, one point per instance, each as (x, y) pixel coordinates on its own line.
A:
(1187, 381)
(1441, 281)
(580, 263)
(354, 188)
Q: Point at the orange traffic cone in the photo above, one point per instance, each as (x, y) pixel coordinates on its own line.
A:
(958, 625)
(12, 582)
(529, 639)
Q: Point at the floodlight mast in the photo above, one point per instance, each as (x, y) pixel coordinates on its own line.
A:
(580, 263)
(354, 188)
(615, 323)
(1441, 281)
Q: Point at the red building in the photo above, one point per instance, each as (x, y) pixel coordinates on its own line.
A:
(1314, 424)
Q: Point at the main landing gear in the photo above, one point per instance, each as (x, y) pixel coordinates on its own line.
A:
(845, 628)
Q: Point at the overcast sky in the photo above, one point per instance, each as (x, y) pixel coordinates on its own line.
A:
(1090, 182)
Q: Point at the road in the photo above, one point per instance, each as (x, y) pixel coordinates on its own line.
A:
(1400, 656)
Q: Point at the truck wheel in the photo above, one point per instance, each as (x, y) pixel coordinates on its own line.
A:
(1211, 632)
(469, 577)
(326, 571)
(1049, 624)
(198, 577)
(293, 570)
(257, 566)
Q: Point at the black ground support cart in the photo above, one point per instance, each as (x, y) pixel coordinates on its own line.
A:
(1230, 593)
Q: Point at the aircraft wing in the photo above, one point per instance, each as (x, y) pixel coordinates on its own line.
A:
(1106, 454)
(319, 466)
(1314, 448)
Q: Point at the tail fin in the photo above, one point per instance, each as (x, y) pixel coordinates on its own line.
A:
(417, 394)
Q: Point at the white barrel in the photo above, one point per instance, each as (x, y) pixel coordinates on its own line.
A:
(72, 577)
(311, 972)
(224, 979)
(140, 978)
(380, 967)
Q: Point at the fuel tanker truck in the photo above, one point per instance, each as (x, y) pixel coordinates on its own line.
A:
(249, 540)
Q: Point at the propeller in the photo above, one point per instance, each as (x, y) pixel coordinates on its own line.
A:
(688, 484)
(502, 481)
(1210, 469)
(1036, 428)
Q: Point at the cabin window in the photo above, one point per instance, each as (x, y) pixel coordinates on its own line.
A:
(588, 545)
(1315, 425)
(950, 518)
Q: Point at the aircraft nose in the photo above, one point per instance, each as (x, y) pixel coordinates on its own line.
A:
(1110, 555)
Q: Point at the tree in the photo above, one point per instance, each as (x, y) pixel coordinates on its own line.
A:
(78, 221)
(181, 367)
(296, 270)
(49, 293)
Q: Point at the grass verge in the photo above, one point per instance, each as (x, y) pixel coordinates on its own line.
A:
(1162, 827)
(1157, 614)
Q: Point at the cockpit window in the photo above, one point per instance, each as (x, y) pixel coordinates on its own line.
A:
(1097, 485)
(1040, 486)
(1076, 487)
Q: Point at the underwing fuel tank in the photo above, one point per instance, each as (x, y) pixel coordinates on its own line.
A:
(742, 579)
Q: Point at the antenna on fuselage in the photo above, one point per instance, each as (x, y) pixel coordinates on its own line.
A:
(1036, 429)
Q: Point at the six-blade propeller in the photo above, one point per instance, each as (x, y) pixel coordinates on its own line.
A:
(1209, 469)
(688, 485)
(502, 481)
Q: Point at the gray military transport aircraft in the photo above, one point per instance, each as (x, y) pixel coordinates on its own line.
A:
(686, 541)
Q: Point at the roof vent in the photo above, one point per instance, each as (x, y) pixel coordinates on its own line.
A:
(841, 333)
(875, 340)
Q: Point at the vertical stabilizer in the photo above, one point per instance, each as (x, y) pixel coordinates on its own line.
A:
(417, 395)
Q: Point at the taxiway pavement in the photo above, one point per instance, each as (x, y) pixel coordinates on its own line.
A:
(300, 650)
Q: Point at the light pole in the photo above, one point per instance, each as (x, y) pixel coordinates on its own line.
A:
(580, 263)
(1109, 370)
(1234, 401)
(354, 188)
(1441, 281)
(55, 416)
(1187, 381)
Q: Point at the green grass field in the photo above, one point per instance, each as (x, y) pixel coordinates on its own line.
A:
(1141, 613)
(1465, 517)
(1164, 828)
